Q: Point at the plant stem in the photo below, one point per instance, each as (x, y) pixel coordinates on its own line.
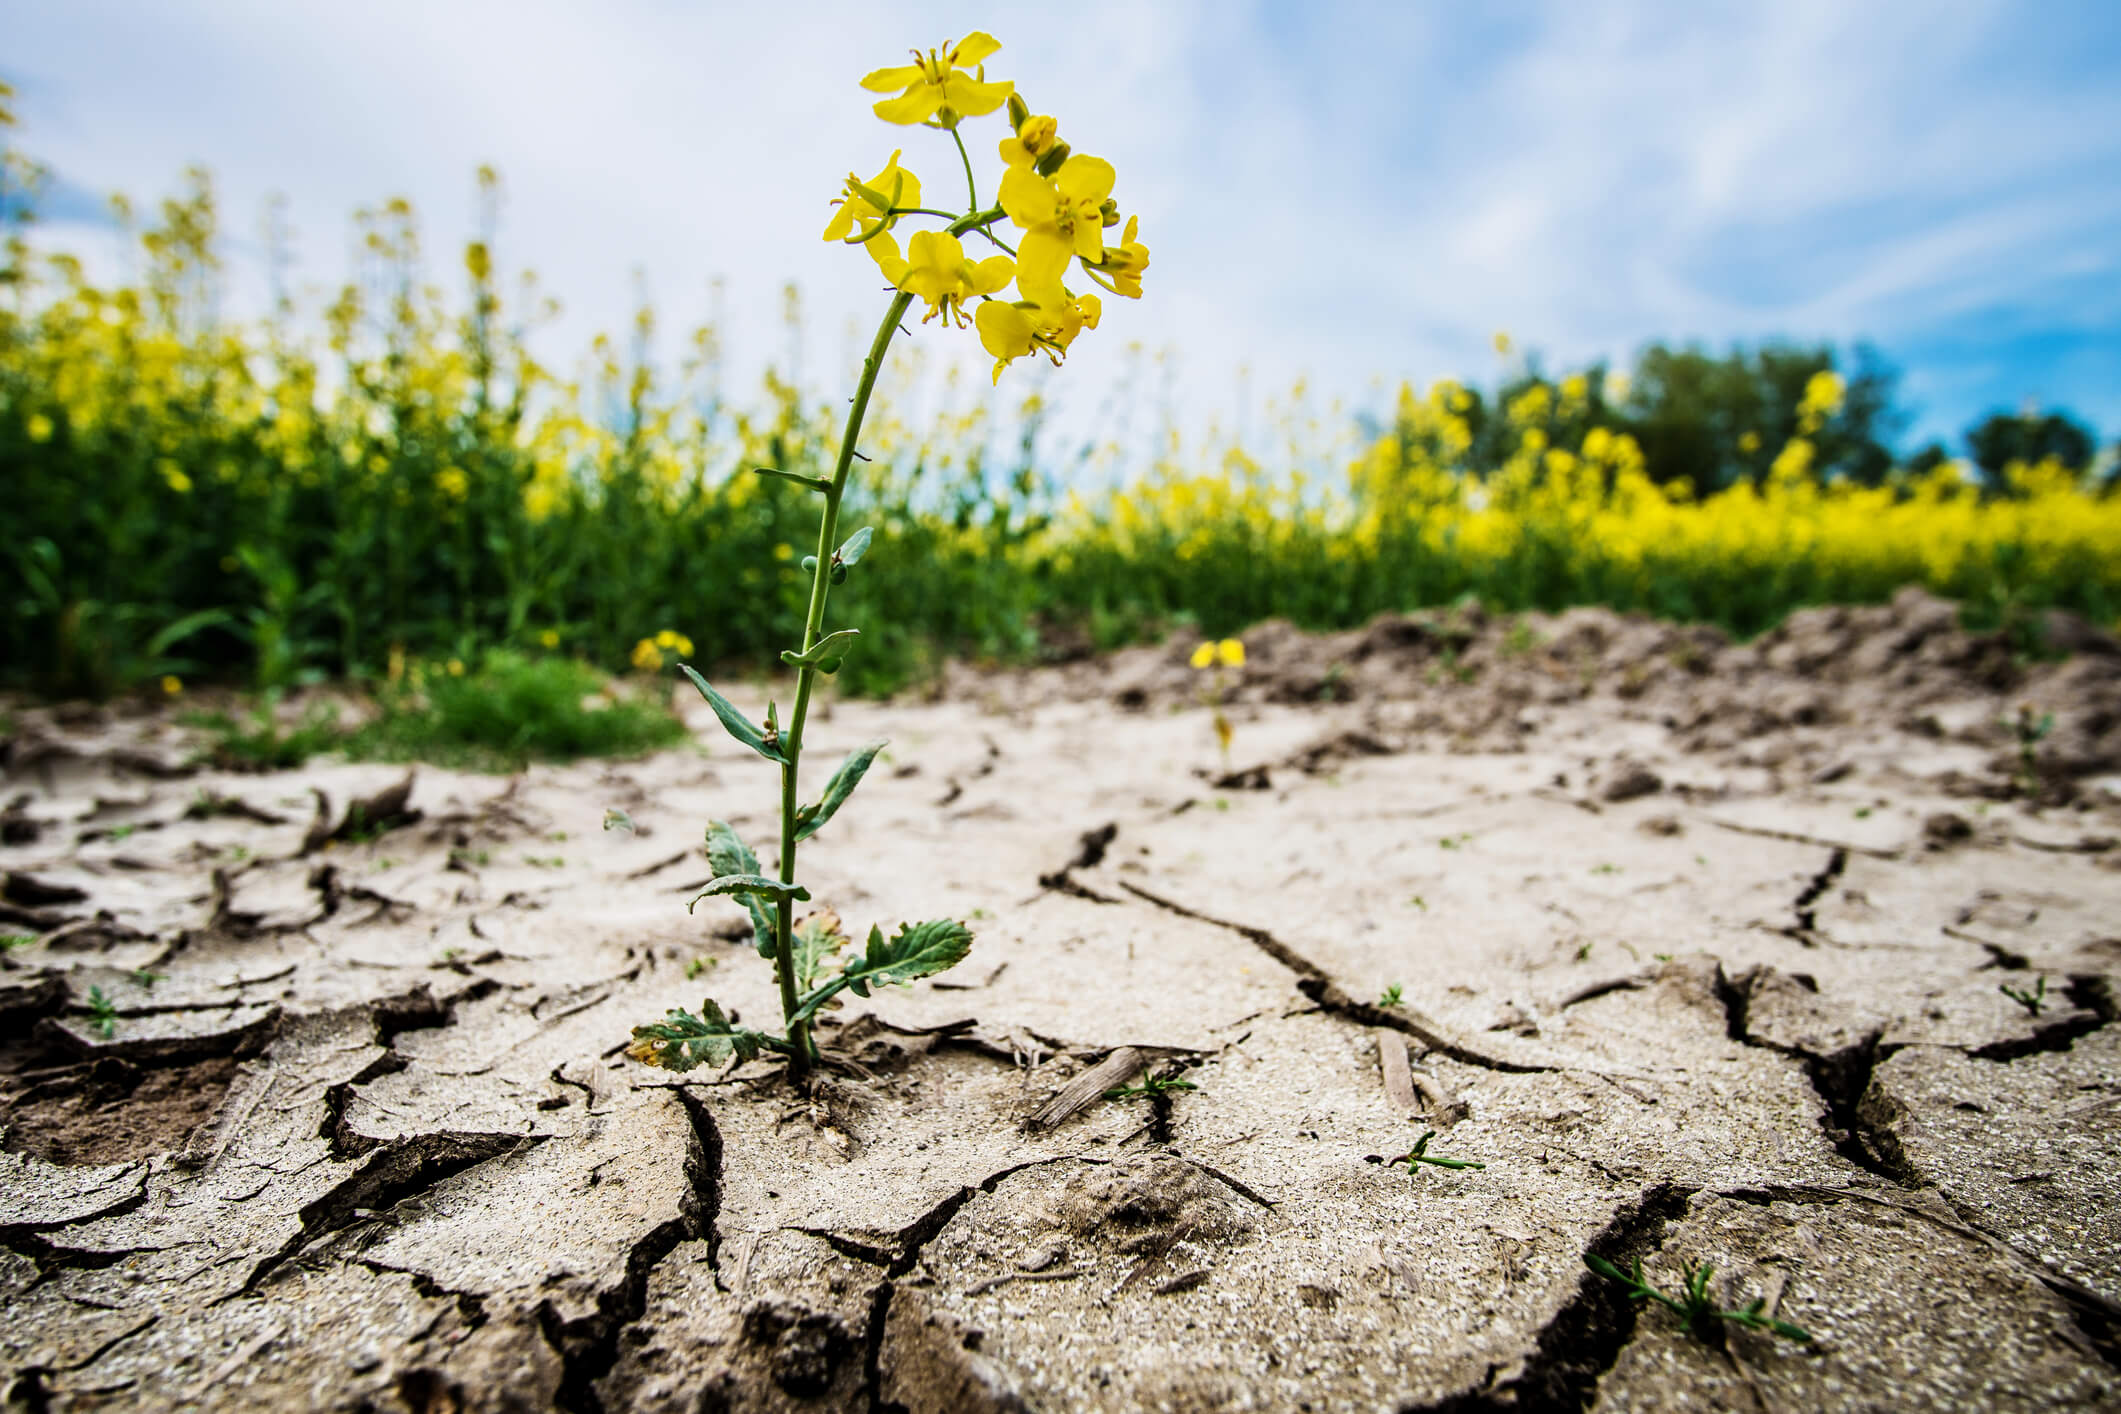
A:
(800, 1050)
(971, 187)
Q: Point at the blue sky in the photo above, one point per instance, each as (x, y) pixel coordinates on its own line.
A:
(1353, 194)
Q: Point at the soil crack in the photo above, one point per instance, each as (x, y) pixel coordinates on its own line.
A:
(1317, 984)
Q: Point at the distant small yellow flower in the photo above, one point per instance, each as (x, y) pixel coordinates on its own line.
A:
(1749, 442)
(456, 667)
(39, 427)
(550, 638)
(1502, 342)
(1204, 656)
(670, 640)
(452, 483)
(173, 476)
(646, 656)
(937, 86)
(396, 670)
(784, 551)
(1232, 652)
(172, 685)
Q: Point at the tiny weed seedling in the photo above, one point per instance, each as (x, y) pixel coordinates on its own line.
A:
(1605, 869)
(1458, 841)
(1419, 902)
(1392, 996)
(616, 819)
(102, 1013)
(145, 980)
(118, 834)
(1149, 1089)
(2029, 730)
(1060, 201)
(1701, 1316)
(1218, 657)
(1583, 952)
(1415, 1157)
(2033, 999)
(695, 966)
(11, 942)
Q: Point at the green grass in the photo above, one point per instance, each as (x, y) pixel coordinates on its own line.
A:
(510, 710)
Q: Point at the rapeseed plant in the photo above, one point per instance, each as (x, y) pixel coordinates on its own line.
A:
(1061, 202)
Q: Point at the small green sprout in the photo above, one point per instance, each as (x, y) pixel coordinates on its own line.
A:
(1701, 1316)
(479, 857)
(1391, 997)
(2033, 999)
(545, 861)
(1662, 956)
(2029, 731)
(1457, 841)
(1149, 1089)
(1583, 951)
(144, 979)
(448, 956)
(1415, 1157)
(118, 834)
(1419, 902)
(1605, 869)
(695, 966)
(102, 1013)
(1863, 812)
(615, 819)
(9, 942)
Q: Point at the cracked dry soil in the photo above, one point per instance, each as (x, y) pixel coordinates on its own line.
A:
(1699, 949)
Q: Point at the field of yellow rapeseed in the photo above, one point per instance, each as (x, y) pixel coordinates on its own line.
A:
(266, 504)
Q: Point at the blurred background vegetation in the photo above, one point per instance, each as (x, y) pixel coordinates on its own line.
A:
(396, 479)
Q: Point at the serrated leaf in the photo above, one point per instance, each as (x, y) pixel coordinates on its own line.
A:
(727, 854)
(736, 723)
(682, 1041)
(749, 885)
(832, 645)
(811, 818)
(916, 950)
(817, 937)
(850, 554)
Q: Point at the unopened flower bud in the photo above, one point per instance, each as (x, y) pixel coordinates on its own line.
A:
(1051, 162)
(1108, 214)
(1018, 111)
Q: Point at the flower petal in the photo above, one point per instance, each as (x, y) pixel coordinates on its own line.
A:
(885, 80)
(1004, 330)
(992, 274)
(1028, 198)
(974, 48)
(917, 105)
(1041, 260)
(971, 97)
(883, 248)
(1085, 180)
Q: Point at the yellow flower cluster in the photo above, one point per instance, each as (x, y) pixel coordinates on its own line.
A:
(1060, 200)
(1230, 653)
(648, 653)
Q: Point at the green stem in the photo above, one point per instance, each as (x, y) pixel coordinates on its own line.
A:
(800, 1050)
(971, 187)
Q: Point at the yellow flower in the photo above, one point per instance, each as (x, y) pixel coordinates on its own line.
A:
(452, 483)
(456, 667)
(1061, 216)
(1009, 331)
(39, 427)
(1749, 442)
(550, 638)
(1204, 656)
(865, 204)
(1502, 342)
(1232, 652)
(172, 685)
(1123, 264)
(646, 656)
(937, 87)
(1033, 139)
(940, 273)
(173, 475)
(675, 642)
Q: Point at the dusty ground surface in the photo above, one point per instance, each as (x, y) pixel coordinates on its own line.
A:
(1699, 949)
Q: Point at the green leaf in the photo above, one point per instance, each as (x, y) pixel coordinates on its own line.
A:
(917, 950)
(832, 645)
(814, 483)
(738, 724)
(811, 818)
(753, 885)
(617, 819)
(817, 937)
(682, 1041)
(726, 855)
(850, 554)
